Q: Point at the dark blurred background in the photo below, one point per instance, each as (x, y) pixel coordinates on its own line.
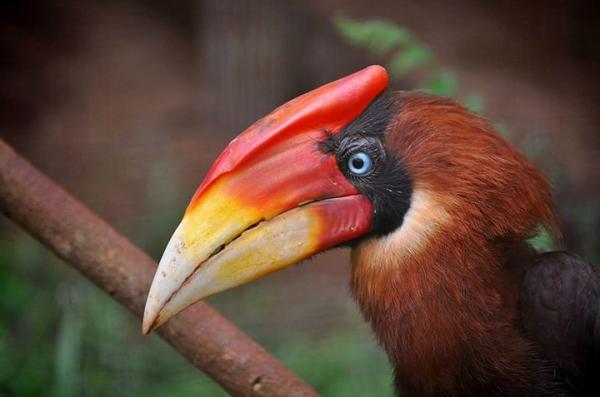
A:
(127, 103)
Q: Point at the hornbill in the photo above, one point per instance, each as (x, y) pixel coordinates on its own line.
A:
(438, 210)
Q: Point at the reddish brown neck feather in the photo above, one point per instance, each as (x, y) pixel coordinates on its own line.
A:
(447, 313)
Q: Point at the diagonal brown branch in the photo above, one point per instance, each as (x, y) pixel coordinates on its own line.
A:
(90, 245)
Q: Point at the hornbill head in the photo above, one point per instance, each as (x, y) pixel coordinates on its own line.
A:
(348, 164)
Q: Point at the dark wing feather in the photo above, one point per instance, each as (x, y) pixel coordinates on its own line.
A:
(560, 307)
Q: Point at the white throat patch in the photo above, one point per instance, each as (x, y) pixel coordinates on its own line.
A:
(424, 216)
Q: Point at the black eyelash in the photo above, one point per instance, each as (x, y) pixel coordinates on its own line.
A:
(330, 144)
(389, 185)
(373, 122)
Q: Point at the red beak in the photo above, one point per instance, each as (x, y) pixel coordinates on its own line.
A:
(271, 199)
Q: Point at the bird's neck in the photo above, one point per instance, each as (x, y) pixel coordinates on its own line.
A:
(447, 315)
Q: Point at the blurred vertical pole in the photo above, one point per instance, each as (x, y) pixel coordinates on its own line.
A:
(243, 59)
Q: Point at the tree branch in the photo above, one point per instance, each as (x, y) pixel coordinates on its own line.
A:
(94, 248)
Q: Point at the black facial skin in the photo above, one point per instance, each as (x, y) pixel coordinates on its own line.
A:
(388, 184)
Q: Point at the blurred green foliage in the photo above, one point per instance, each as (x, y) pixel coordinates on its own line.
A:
(543, 241)
(407, 54)
(377, 36)
(61, 336)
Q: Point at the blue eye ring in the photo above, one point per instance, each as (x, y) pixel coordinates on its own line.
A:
(360, 163)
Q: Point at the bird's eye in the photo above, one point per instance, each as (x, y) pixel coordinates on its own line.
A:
(360, 163)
